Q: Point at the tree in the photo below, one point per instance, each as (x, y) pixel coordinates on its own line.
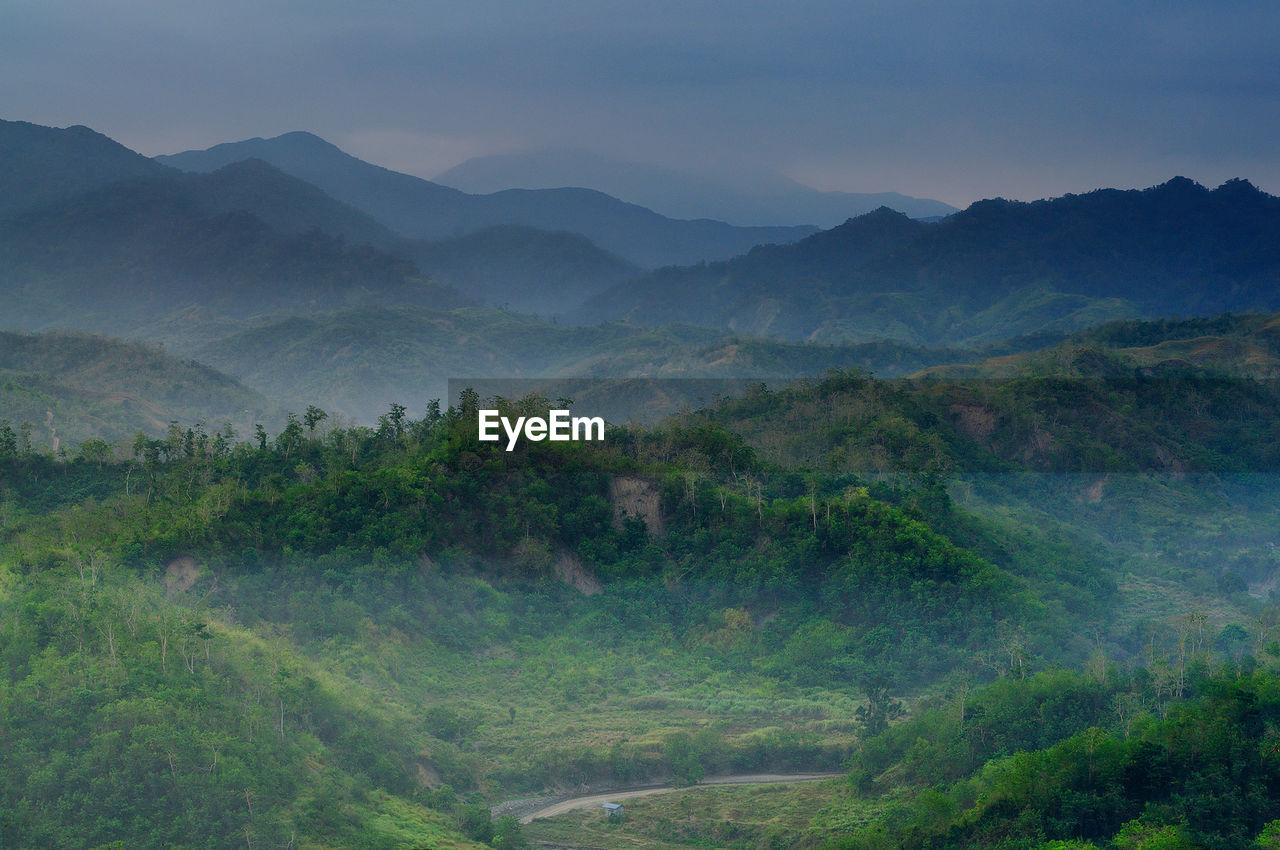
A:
(313, 417)
(8, 440)
(395, 415)
(683, 759)
(92, 451)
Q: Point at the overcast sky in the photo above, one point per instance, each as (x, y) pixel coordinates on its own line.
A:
(956, 101)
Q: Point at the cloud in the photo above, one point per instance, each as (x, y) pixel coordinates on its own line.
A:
(954, 100)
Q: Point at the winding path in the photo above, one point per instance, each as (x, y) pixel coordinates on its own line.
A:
(738, 779)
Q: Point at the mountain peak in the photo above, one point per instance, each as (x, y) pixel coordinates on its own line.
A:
(295, 145)
(883, 213)
(304, 140)
(47, 165)
(1180, 186)
(1238, 188)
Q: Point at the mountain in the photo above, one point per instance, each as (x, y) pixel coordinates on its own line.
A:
(521, 268)
(132, 251)
(69, 388)
(998, 269)
(524, 268)
(40, 165)
(288, 204)
(773, 289)
(754, 199)
(1227, 345)
(424, 210)
(358, 361)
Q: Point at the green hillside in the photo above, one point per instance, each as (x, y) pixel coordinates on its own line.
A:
(63, 389)
(382, 631)
(1244, 345)
(359, 618)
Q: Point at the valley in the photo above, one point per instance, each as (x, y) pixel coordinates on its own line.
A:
(978, 532)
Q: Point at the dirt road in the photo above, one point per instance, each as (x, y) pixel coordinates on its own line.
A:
(613, 796)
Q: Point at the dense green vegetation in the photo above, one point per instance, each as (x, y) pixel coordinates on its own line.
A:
(669, 604)
(306, 576)
(1168, 756)
(1026, 601)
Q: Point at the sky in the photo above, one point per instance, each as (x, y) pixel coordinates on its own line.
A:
(956, 101)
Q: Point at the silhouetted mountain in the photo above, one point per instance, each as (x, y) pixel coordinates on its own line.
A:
(289, 204)
(40, 165)
(997, 269)
(524, 268)
(779, 289)
(755, 199)
(421, 209)
(130, 251)
(536, 271)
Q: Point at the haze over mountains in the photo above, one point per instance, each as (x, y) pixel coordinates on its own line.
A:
(424, 210)
(753, 199)
(250, 267)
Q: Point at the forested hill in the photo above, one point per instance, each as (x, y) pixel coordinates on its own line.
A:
(61, 390)
(1246, 345)
(210, 587)
(1162, 396)
(994, 270)
(377, 629)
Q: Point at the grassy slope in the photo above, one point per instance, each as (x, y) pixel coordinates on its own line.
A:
(81, 387)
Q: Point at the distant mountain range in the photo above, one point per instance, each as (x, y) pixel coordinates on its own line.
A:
(757, 199)
(84, 222)
(276, 281)
(421, 209)
(997, 269)
(129, 251)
